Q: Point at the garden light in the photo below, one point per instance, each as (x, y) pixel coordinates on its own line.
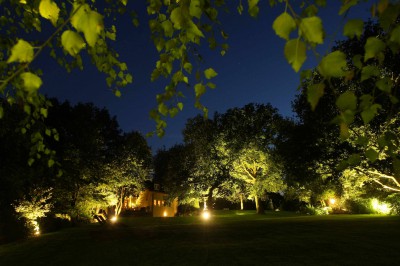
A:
(165, 214)
(206, 215)
(332, 201)
(380, 207)
(113, 219)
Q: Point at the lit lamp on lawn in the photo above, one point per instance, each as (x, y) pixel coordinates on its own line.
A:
(114, 219)
(332, 201)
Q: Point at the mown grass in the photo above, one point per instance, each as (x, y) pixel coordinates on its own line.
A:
(229, 238)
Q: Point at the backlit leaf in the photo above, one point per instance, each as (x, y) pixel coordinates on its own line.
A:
(373, 47)
(195, 9)
(311, 29)
(168, 28)
(284, 25)
(89, 22)
(163, 109)
(31, 82)
(21, 52)
(353, 27)
(347, 101)
(314, 93)
(332, 65)
(295, 53)
(180, 106)
(210, 73)
(49, 10)
(199, 89)
(177, 18)
(72, 42)
(253, 7)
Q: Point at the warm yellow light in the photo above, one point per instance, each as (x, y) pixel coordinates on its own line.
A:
(380, 207)
(165, 213)
(206, 215)
(113, 219)
(332, 201)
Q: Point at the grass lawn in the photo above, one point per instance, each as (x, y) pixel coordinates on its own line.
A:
(228, 238)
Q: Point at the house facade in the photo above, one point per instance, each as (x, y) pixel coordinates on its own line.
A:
(154, 202)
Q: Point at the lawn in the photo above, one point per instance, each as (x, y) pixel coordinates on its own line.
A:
(228, 238)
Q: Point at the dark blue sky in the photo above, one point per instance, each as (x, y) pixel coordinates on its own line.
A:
(253, 70)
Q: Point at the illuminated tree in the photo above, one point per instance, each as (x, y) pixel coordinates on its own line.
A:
(260, 171)
(127, 171)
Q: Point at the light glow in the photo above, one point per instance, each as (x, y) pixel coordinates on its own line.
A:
(206, 215)
(165, 214)
(332, 201)
(381, 207)
(114, 219)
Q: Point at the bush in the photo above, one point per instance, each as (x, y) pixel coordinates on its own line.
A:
(359, 206)
(311, 210)
(52, 224)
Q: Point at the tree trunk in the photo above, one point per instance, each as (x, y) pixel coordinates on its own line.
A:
(241, 202)
(259, 207)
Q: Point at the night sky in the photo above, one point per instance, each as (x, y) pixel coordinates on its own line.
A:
(253, 70)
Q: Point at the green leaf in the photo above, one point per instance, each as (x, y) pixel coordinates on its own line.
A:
(284, 25)
(162, 109)
(395, 35)
(50, 163)
(72, 42)
(353, 27)
(369, 113)
(357, 61)
(211, 85)
(173, 112)
(177, 18)
(253, 7)
(369, 71)
(188, 67)
(49, 10)
(347, 101)
(295, 53)
(168, 28)
(311, 29)
(31, 161)
(346, 5)
(372, 155)
(210, 73)
(117, 93)
(199, 89)
(332, 65)
(48, 132)
(180, 106)
(373, 47)
(354, 159)
(1, 112)
(31, 82)
(195, 9)
(43, 112)
(193, 31)
(21, 52)
(89, 22)
(314, 93)
(385, 84)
